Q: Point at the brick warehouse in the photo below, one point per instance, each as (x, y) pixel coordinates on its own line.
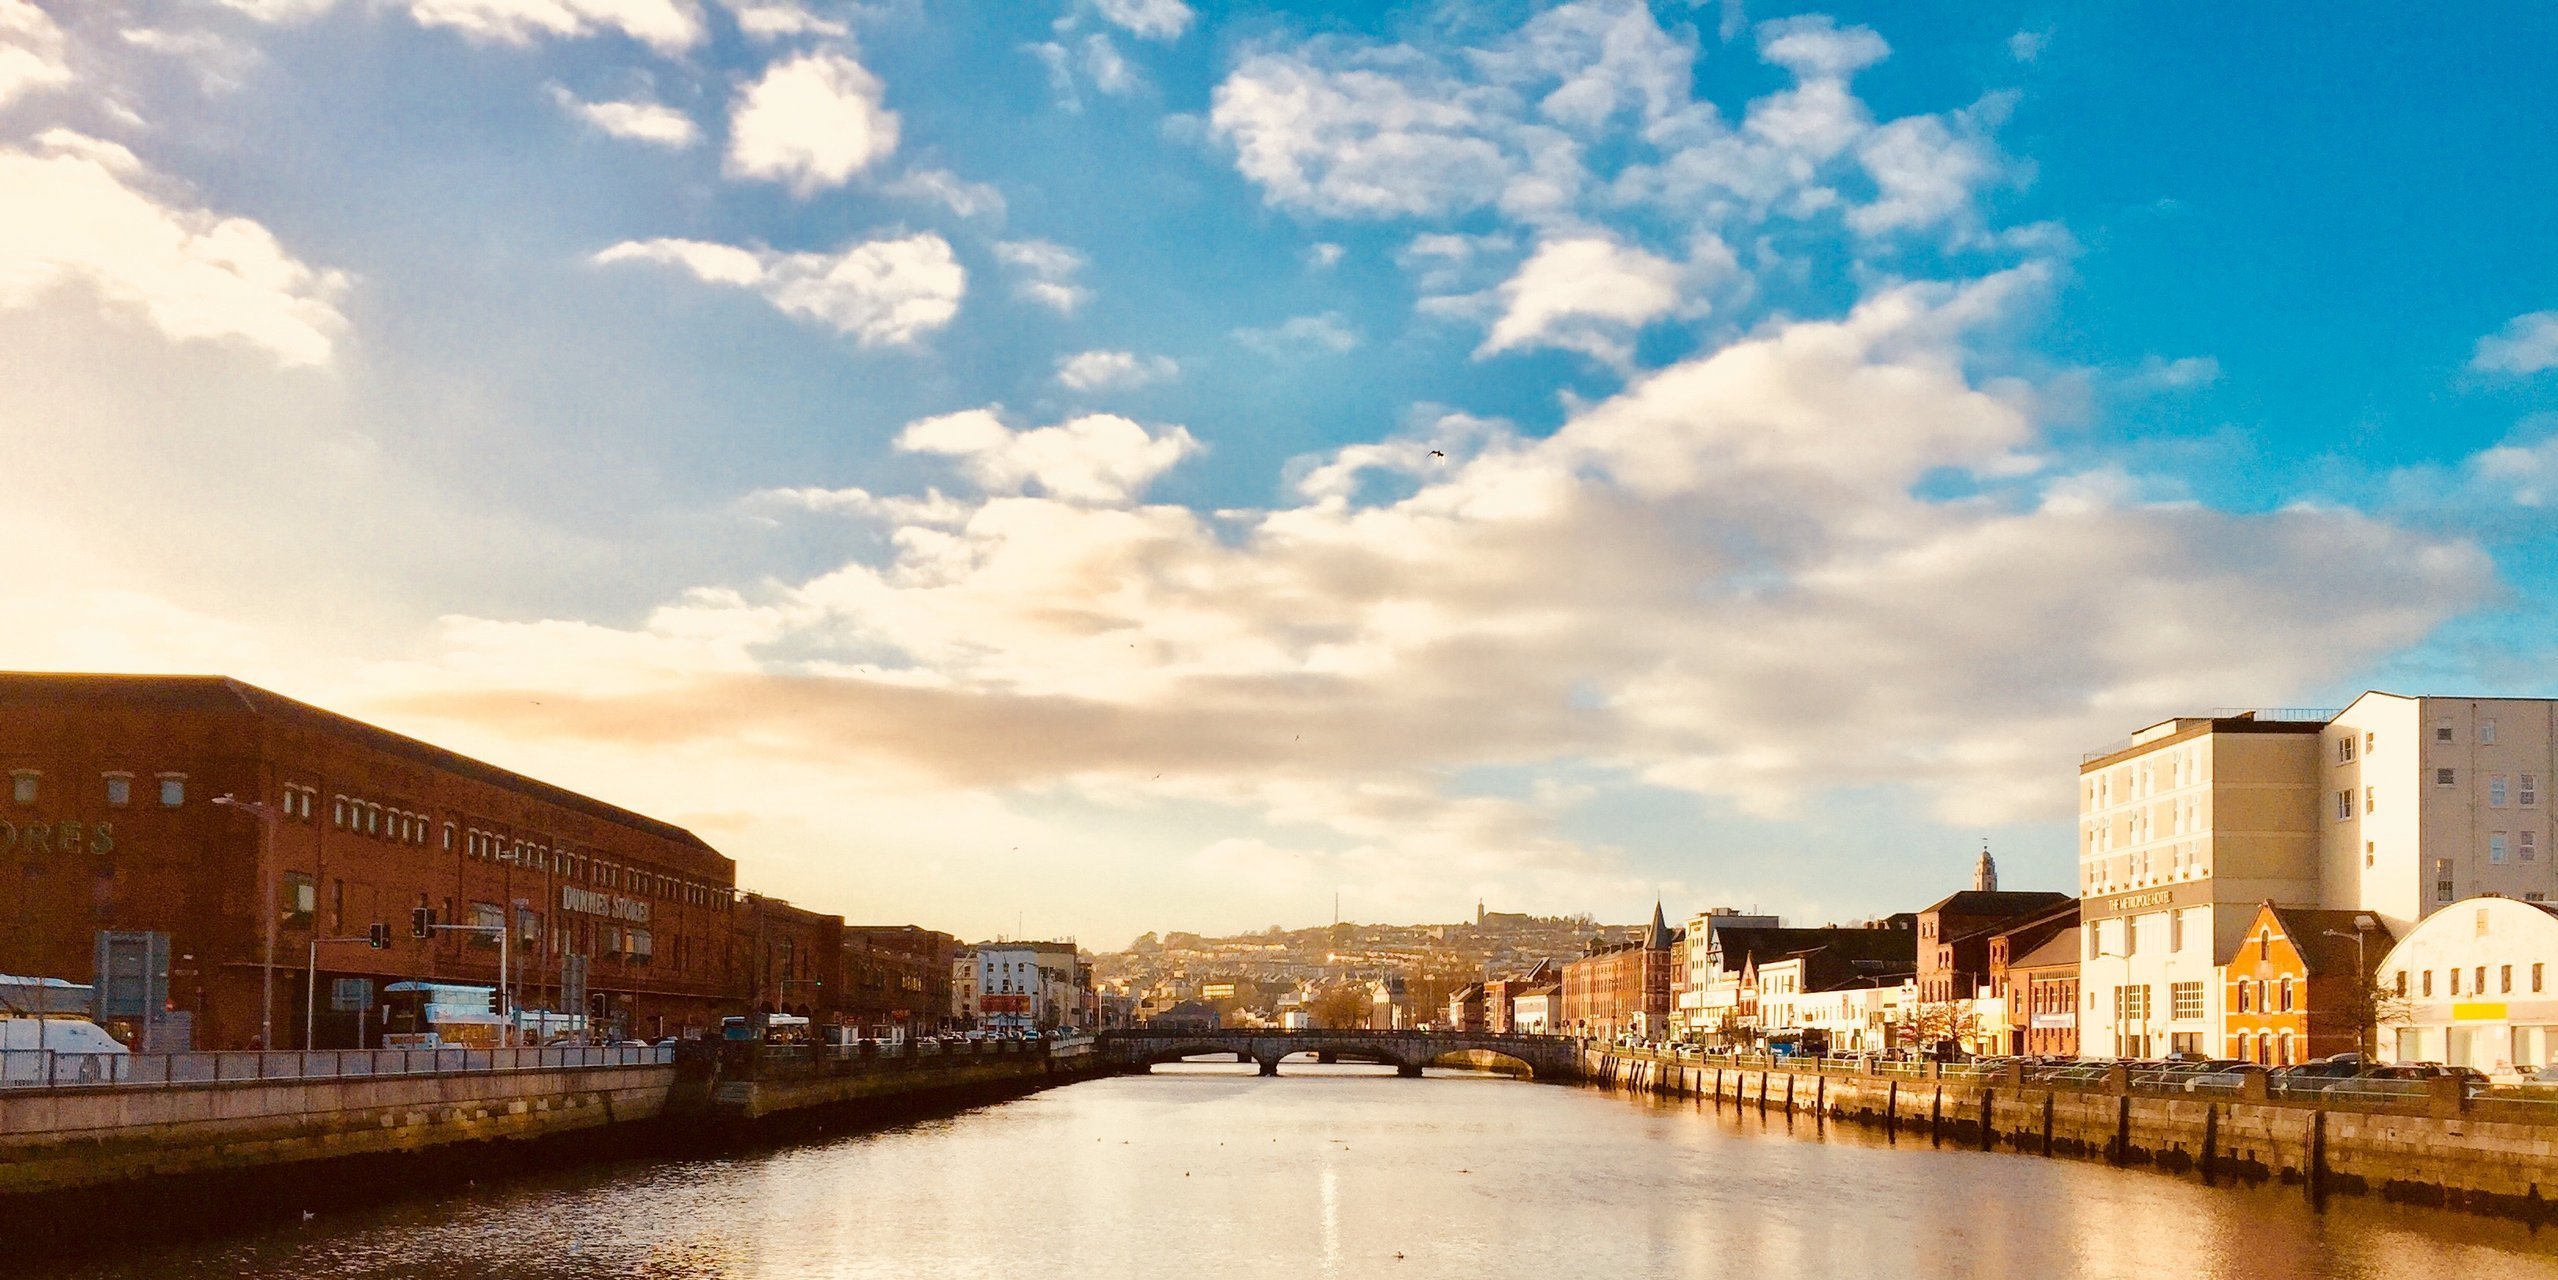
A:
(109, 824)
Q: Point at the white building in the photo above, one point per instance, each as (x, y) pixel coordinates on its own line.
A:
(2427, 801)
(1693, 1010)
(1534, 1014)
(2480, 982)
(2182, 833)
(1011, 994)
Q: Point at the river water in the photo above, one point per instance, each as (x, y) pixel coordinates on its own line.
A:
(1206, 1171)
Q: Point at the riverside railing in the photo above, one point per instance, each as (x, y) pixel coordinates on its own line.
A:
(57, 1069)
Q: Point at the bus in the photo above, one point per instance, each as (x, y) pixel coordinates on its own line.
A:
(440, 1015)
(771, 1028)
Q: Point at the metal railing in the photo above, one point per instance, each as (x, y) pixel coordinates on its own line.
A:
(57, 1069)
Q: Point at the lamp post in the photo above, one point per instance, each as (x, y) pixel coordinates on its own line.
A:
(266, 877)
(2365, 1014)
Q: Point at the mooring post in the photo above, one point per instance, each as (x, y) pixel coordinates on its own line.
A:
(2313, 1174)
(1892, 1110)
(2211, 1142)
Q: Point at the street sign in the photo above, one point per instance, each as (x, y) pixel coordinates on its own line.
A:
(350, 995)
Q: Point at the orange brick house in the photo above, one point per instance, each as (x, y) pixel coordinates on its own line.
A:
(2288, 990)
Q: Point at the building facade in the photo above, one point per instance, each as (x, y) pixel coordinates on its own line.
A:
(2182, 833)
(2472, 986)
(896, 979)
(1622, 990)
(2426, 801)
(2294, 988)
(2042, 997)
(109, 823)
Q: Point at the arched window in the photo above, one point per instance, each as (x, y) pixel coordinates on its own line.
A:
(2287, 995)
(2265, 1047)
(2285, 1049)
(2264, 944)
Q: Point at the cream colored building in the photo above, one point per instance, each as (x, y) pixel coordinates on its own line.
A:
(2479, 985)
(2182, 832)
(2427, 801)
(1695, 1009)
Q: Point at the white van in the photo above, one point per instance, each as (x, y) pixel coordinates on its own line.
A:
(66, 1050)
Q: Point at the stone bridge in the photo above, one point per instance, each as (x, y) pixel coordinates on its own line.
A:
(1545, 1057)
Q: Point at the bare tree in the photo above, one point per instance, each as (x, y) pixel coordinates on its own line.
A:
(1341, 1006)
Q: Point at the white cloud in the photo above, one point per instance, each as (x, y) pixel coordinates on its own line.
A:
(280, 11)
(635, 121)
(1323, 255)
(769, 20)
(1147, 19)
(810, 123)
(2185, 373)
(881, 293)
(1388, 134)
(1113, 370)
(667, 26)
(1044, 272)
(1110, 72)
(2028, 46)
(31, 51)
(2527, 344)
(1925, 170)
(78, 212)
(1298, 336)
(1586, 294)
(941, 186)
(1099, 458)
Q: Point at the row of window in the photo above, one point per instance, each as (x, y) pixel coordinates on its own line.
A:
(26, 787)
(2477, 976)
(405, 826)
(2123, 936)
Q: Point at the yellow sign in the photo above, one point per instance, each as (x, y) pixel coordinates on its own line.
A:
(2478, 1011)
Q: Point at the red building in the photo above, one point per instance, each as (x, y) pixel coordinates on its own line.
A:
(2290, 993)
(109, 823)
(1624, 989)
(1501, 996)
(2042, 995)
(787, 959)
(1466, 1008)
(897, 977)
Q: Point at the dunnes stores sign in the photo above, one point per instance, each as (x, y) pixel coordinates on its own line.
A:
(40, 838)
(589, 902)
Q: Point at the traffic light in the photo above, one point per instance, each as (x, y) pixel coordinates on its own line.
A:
(493, 1002)
(377, 935)
(421, 922)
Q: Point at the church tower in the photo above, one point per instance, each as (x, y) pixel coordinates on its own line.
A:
(1985, 874)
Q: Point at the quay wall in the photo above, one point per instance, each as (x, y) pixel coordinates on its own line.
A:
(2443, 1149)
(55, 1140)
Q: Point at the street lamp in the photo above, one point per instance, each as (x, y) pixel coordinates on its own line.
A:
(2362, 982)
(266, 876)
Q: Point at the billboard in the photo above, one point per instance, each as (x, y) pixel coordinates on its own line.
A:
(1011, 1006)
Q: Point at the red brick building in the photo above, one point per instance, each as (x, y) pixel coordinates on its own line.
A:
(109, 824)
(2289, 990)
(1501, 996)
(1624, 989)
(786, 959)
(1466, 1008)
(2042, 996)
(897, 977)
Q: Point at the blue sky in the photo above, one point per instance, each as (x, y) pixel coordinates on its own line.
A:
(1125, 464)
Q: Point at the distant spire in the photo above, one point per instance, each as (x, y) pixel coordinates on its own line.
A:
(1659, 939)
(1985, 874)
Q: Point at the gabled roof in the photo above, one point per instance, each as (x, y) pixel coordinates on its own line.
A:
(1742, 947)
(2061, 948)
(1997, 904)
(219, 694)
(2311, 931)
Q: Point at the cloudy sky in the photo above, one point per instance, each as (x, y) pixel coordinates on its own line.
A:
(1083, 466)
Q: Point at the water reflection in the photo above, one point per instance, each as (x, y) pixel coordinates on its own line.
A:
(1346, 1171)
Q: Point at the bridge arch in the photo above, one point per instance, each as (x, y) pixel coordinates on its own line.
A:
(1486, 1059)
(1179, 1051)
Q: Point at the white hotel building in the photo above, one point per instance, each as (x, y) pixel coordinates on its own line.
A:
(2396, 806)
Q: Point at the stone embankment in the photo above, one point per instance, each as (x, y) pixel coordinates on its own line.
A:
(334, 1125)
(2438, 1147)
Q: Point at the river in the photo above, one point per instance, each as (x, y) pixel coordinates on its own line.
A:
(1206, 1171)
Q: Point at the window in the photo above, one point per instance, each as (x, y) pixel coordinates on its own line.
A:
(22, 785)
(337, 906)
(2504, 979)
(2186, 1001)
(372, 819)
(2371, 852)
(119, 790)
(2265, 940)
(2428, 983)
(2244, 1003)
(2445, 777)
(2442, 880)
(2175, 931)
(2131, 936)
(2496, 790)
(2442, 733)
(2527, 790)
(2496, 847)
(2345, 749)
(2286, 1049)
(2478, 982)
(2371, 799)
(2486, 733)
(2535, 979)
(2370, 740)
(448, 837)
(2401, 986)
(337, 811)
(2287, 995)
(173, 790)
(2527, 846)
(301, 898)
(2345, 805)
(490, 920)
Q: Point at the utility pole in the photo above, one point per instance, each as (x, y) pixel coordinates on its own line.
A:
(266, 877)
